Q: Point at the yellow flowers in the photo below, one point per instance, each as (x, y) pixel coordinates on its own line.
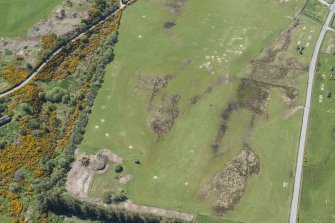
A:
(13, 75)
(49, 41)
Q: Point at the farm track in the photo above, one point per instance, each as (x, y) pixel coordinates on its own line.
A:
(304, 127)
(41, 65)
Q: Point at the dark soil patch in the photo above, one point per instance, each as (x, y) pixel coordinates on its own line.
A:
(247, 137)
(227, 187)
(253, 95)
(222, 80)
(269, 72)
(233, 106)
(164, 116)
(294, 64)
(169, 25)
(194, 99)
(270, 69)
(279, 46)
(157, 84)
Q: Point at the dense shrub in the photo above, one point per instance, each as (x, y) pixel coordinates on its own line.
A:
(119, 196)
(118, 168)
(106, 197)
(2, 108)
(56, 95)
(33, 124)
(2, 144)
(67, 205)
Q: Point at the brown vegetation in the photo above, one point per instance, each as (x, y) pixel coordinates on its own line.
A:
(227, 187)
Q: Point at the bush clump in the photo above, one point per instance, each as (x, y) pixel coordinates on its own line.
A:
(56, 95)
(118, 168)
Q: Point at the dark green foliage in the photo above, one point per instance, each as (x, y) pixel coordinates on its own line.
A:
(119, 196)
(33, 124)
(2, 108)
(106, 197)
(56, 95)
(27, 108)
(29, 67)
(69, 206)
(118, 168)
(23, 132)
(85, 161)
(84, 39)
(2, 144)
(66, 99)
(49, 190)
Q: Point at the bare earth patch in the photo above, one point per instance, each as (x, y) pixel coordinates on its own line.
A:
(163, 116)
(125, 179)
(228, 186)
(80, 177)
(291, 111)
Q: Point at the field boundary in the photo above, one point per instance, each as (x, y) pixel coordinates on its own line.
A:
(304, 127)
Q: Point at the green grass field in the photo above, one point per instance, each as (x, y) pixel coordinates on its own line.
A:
(16, 16)
(175, 167)
(316, 10)
(5, 219)
(210, 219)
(317, 201)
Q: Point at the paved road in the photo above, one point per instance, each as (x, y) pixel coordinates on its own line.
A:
(304, 127)
(325, 3)
(31, 76)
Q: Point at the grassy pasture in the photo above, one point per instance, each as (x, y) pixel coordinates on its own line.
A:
(317, 201)
(5, 219)
(328, 46)
(210, 219)
(16, 16)
(176, 166)
(316, 10)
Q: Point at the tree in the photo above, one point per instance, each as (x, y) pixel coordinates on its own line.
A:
(55, 95)
(84, 39)
(29, 67)
(119, 196)
(27, 108)
(118, 168)
(2, 144)
(2, 108)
